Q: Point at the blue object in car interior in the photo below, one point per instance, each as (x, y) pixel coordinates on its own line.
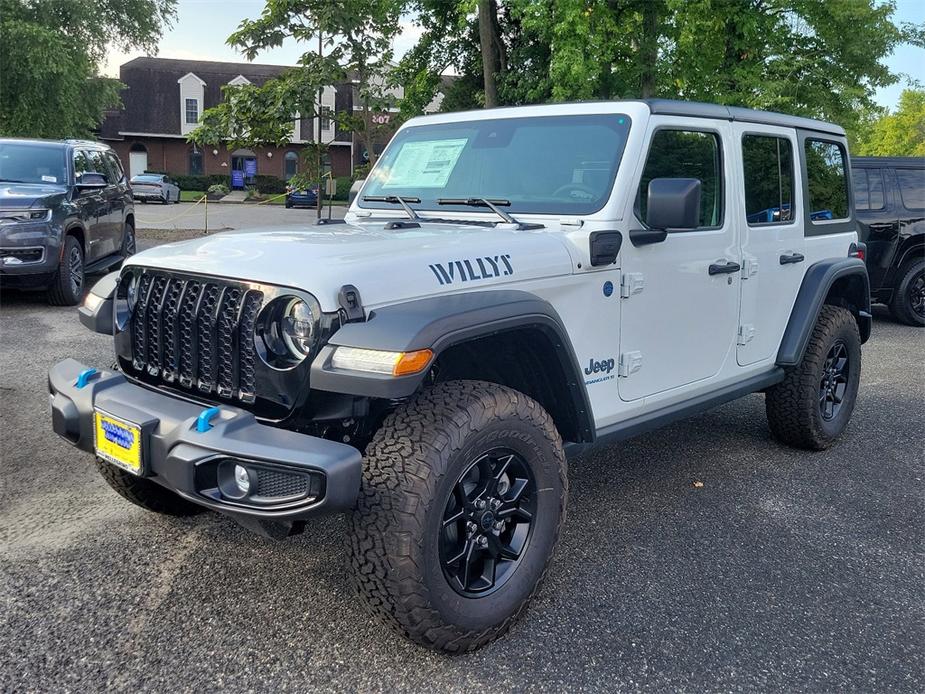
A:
(85, 376)
(203, 423)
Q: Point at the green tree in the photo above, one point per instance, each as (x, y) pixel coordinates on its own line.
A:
(897, 134)
(356, 36)
(50, 53)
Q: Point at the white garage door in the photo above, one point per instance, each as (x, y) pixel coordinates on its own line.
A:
(137, 163)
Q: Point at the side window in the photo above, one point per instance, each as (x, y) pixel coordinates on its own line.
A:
(827, 180)
(686, 154)
(115, 167)
(98, 164)
(912, 188)
(768, 166)
(81, 164)
(868, 189)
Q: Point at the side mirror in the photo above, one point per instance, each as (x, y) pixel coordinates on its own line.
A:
(672, 203)
(90, 180)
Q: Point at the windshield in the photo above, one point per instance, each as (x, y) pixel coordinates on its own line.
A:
(147, 179)
(32, 162)
(547, 165)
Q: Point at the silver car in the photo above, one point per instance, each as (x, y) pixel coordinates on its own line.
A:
(155, 187)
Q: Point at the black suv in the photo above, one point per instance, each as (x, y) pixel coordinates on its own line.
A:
(889, 195)
(65, 211)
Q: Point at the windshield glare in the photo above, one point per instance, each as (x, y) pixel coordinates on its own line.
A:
(22, 162)
(545, 165)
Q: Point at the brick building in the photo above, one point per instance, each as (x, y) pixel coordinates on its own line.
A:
(164, 98)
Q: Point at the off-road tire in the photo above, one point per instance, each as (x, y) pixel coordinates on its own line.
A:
(901, 305)
(129, 242)
(793, 406)
(410, 469)
(145, 493)
(61, 291)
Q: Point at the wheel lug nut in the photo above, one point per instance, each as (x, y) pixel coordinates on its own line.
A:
(483, 541)
(480, 504)
(495, 504)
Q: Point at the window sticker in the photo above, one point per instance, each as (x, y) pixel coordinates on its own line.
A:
(426, 164)
(50, 179)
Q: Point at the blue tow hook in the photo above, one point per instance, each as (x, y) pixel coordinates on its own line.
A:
(203, 423)
(85, 376)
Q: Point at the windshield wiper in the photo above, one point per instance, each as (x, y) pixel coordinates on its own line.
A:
(402, 200)
(491, 204)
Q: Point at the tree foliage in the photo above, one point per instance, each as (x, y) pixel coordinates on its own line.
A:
(50, 52)
(897, 134)
(356, 38)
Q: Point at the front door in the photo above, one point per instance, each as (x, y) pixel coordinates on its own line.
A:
(679, 316)
(772, 238)
(243, 171)
(137, 162)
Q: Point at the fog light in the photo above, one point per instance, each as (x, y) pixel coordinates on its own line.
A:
(241, 479)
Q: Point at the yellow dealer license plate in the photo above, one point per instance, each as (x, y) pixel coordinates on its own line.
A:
(117, 441)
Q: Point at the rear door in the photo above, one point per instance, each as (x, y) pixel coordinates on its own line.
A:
(678, 321)
(772, 242)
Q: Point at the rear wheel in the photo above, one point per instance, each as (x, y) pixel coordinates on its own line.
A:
(143, 492)
(814, 402)
(463, 496)
(67, 286)
(908, 305)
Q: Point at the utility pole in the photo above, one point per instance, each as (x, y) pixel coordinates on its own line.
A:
(318, 139)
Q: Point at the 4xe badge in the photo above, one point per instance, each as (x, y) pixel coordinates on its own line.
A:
(602, 367)
(471, 269)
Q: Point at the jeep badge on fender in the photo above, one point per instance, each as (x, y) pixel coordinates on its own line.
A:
(395, 367)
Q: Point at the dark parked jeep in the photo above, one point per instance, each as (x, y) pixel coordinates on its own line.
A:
(65, 211)
(889, 194)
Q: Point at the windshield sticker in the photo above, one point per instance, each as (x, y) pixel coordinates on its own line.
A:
(426, 164)
(49, 179)
(469, 270)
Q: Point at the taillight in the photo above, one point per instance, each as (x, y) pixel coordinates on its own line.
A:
(857, 250)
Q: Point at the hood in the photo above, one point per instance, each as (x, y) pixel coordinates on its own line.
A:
(24, 195)
(386, 265)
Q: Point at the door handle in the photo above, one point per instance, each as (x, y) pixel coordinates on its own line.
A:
(724, 268)
(790, 258)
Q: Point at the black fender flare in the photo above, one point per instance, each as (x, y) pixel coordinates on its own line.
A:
(438, 323)
(817, 283)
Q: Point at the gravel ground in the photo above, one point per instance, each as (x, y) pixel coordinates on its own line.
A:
(786, 571)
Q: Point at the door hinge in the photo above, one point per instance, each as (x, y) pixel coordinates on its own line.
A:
(749, 268)
(632, 283)
(630, 363)
(746, 333)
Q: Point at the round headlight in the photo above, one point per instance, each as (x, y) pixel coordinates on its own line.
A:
(298, 327)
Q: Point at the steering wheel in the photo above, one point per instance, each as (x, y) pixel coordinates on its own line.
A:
(572, 188)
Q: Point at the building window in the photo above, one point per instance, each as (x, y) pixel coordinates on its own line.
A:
(192, 111)
(292, 164)
(768, 166)
(325, 117)
(686, 154)
(195, 162)
(828, 182)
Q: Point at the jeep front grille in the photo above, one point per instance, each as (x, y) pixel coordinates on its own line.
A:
(196, 334)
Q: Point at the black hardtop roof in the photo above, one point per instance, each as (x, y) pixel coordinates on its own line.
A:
(879, 162)
(696, 109)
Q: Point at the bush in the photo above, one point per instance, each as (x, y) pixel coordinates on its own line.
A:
(343, 187)
(218, 189)
(199, 182)
(270, 185)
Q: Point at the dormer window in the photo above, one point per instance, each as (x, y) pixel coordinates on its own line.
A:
(192, 111)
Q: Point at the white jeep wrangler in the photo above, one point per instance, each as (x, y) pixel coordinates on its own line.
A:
(509, 287)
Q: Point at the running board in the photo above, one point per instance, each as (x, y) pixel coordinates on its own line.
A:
(649, 421)
(103, 263)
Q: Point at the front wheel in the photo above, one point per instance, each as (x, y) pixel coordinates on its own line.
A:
(144, 493)
(908, 305)
(463, 496)
(67, 285)
(128, 240)
(812, 405)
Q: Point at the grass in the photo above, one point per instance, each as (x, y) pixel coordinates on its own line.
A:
(190, 195)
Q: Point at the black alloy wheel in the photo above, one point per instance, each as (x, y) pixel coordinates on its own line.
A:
(834, 382)
(917, 295)
(75, 269)
(487, 523)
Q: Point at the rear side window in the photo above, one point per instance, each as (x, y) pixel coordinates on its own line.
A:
(115, 166)
(912, 187)
(868, 189)
(768, 166)
(827, 180)
(686, 154)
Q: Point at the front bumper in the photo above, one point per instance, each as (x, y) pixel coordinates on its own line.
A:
(29, 251)
(190, 462)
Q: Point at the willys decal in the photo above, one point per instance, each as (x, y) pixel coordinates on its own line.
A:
(472, 269)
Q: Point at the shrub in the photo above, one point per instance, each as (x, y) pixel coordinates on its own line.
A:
(343, 187)
(270, 185)
(218, 189)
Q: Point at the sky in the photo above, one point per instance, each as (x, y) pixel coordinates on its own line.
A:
(202, 26)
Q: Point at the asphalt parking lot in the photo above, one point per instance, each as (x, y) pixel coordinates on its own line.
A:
(785, 571)
(220, 216)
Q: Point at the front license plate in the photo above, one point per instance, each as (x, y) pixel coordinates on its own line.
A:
(117, 441)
